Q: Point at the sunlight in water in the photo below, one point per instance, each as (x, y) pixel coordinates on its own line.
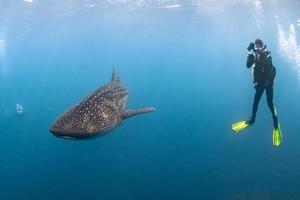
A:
(172, 6)
(2, 43)
(3, 66)
(256, 10)
(289, 47)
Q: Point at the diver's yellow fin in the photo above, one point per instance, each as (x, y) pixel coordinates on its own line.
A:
(239, 126)
(277, 136)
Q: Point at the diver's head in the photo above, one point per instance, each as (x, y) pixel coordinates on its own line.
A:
(259, 44)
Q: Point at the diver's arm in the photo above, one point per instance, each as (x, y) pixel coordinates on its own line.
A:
(250, 60)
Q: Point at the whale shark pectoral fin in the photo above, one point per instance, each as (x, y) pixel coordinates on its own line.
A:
(114, 76)
(132, 112)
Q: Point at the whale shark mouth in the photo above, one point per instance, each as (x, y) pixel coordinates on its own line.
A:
(68, 136)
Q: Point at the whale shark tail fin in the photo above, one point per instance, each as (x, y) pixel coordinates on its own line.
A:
(132, 112)
(114, 76)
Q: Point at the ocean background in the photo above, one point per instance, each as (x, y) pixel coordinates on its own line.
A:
(187, 59)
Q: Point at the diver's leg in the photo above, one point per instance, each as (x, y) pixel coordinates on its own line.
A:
(269, 93)
(259, 89)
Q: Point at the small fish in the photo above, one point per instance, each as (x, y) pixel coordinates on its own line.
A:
(19, 109)
(98, 113)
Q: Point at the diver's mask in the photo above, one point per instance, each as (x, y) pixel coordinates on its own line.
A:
(258, 49)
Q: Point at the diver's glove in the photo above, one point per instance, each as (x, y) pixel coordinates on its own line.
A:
(250, 60)
(250, 57)
(251, 46)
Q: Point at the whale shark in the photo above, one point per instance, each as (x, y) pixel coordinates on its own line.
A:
(98, 113)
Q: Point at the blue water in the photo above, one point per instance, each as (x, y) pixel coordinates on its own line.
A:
(186, 58)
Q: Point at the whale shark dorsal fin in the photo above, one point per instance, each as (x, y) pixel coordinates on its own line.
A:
(114, 76)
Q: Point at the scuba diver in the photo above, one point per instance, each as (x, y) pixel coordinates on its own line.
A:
(263, 74)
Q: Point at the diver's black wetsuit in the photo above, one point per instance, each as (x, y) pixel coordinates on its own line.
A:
(264, 74)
